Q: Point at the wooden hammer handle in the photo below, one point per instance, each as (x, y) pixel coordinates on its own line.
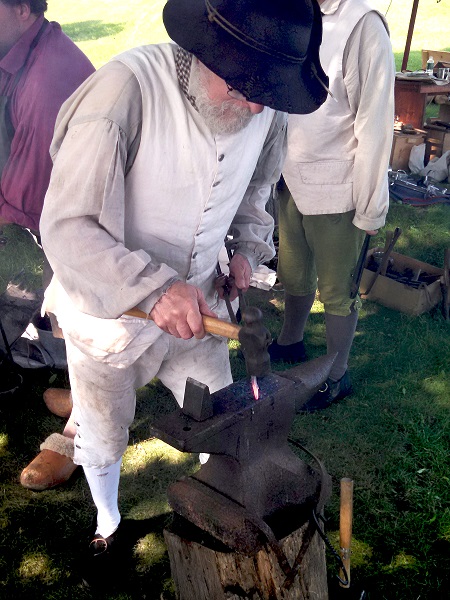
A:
(211, 325)
(345, 525)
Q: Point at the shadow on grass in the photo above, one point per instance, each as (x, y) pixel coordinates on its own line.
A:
(44, 535)
(84, 31)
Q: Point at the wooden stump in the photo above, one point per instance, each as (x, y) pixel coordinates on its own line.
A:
(201, 572)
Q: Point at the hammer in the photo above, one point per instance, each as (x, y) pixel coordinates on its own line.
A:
(254, 337)
(211, 325)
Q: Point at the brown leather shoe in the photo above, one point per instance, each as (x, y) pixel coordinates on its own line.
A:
(58, 401)
(47, 470)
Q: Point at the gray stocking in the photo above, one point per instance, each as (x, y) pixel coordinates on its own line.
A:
(340, 333)
(296, 312)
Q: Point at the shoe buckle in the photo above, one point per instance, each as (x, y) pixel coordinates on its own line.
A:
(98, 546)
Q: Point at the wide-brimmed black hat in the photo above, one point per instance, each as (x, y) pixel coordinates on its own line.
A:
(266, 49)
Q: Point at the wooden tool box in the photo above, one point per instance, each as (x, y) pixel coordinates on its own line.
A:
(400, 296)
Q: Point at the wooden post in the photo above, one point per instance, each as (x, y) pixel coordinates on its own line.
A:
(345, 528)
(207, 573)
(412, 22)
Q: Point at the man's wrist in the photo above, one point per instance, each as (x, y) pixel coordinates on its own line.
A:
(148, 303)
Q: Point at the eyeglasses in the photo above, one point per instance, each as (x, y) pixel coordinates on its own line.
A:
(235, 94)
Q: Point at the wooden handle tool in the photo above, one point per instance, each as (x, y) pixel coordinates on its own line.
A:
(211, 325)
(345, 527)
(445, 285)
(391, 239)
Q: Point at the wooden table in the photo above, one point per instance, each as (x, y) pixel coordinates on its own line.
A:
(411, 99)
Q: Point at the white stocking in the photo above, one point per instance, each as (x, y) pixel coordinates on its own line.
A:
(104, 485)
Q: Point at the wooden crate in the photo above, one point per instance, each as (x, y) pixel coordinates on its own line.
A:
(438, 55)
(440, 134)
(401, 148)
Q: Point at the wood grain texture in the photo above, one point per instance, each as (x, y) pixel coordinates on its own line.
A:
(202, 573)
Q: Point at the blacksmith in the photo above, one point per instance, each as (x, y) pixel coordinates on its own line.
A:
(155, 158)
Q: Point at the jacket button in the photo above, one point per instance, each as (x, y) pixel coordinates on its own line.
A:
(216, 183)
(221, 157)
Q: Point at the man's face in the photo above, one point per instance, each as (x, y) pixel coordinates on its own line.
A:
(222, 114)
(11, 27)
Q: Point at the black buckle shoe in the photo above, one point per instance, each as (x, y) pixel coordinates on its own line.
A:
(331, 391)
(99, 568)
(101, 546)
(291, 353)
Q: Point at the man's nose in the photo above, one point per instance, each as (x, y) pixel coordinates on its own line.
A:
(255, 109)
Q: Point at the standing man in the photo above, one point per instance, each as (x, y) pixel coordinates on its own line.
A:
(155, 157)
(336, 172)
(40, 67)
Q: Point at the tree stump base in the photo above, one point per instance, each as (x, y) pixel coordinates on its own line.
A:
(205, 569)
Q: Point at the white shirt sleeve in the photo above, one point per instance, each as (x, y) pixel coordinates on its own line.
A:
(369, 75)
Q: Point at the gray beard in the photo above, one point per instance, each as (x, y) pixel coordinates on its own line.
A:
(222, 119)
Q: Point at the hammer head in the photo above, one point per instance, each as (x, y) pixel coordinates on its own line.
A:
(255, 340)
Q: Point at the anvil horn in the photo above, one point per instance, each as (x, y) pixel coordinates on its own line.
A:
(308, 376)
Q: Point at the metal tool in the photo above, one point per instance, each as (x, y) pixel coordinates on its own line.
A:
(242, 301)
(255, 340)
(356, 277)
(445, 285)
(222, 281)
(391, 239)
(345, 527)
(254, 337)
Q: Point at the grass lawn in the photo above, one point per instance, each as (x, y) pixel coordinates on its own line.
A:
(108, 27)
(391, 437)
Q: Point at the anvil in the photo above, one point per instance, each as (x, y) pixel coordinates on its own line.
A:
(253, 485)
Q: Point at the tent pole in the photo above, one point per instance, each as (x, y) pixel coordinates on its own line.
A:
(410, 34)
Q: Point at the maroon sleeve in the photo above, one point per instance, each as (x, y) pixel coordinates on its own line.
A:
(55, 70)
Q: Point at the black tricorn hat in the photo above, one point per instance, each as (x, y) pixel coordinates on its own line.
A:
(266, 49)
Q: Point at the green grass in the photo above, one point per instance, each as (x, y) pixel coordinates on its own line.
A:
(109, 27)
(391, 437)
(430, 33)
(19, 252)
(103, 29)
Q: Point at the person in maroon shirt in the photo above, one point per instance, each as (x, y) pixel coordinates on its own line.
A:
(40, 67)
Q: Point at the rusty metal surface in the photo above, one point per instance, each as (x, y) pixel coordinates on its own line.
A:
(232, 406)
(252, 477)
(308, 377)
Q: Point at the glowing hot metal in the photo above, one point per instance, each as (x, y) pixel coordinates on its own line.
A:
(255, 386)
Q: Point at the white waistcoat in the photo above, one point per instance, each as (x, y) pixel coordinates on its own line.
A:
(321, 146)
(186, 185)
(182, 193)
